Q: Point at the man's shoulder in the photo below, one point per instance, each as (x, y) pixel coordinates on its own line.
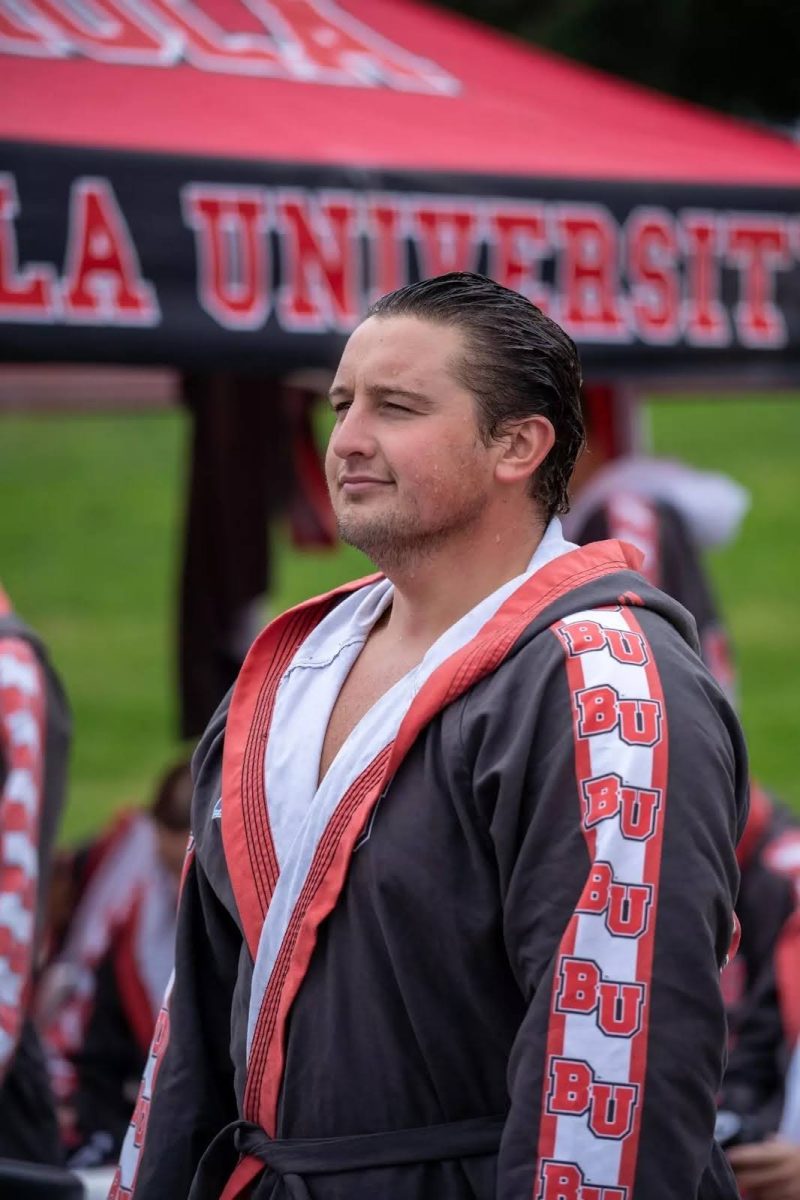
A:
(597, 637)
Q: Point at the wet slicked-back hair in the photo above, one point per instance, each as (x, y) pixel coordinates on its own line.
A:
(517, 363)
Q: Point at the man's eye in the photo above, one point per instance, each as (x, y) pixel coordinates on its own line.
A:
(341, 408)
(396, 407)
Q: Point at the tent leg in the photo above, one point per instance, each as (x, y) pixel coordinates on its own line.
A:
(240, 476)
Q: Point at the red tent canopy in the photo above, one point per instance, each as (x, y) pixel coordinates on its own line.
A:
(216, 181)
(417, 89)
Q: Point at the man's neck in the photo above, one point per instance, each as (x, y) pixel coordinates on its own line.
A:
(434, 592)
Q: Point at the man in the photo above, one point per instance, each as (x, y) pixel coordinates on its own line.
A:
(464, 873)
(100, 997)
(34, 739)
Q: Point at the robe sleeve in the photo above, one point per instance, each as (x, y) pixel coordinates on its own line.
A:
(615, 847)
(186, 1095)
(22, 747)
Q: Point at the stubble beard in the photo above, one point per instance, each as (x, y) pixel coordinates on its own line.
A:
(397, 541)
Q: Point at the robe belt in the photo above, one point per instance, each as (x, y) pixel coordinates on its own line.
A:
(290, 1159)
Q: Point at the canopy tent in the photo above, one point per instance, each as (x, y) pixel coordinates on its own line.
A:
(221, 186)
(218, 182)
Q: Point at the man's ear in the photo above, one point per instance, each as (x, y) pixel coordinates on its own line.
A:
(525, 444)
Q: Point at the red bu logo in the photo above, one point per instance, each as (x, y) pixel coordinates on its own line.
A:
(607, 796)
(574, 1090)
(600, 710)
(565, 1181)
(622, 644)
(582, 989)
(139, 1119)
(626, 906)
(161, 1032)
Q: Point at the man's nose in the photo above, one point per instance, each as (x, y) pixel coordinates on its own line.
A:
(353, 433)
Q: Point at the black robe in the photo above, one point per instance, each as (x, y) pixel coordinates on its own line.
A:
(503, 963)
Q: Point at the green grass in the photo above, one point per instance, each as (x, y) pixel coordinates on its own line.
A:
(90, 530)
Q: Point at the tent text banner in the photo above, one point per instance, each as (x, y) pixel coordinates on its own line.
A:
(137, 258)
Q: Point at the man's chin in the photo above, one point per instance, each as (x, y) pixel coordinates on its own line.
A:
(376, 539)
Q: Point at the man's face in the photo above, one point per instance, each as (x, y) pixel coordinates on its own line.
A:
(406, 466)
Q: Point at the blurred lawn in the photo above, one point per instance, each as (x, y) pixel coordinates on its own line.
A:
(90, 530)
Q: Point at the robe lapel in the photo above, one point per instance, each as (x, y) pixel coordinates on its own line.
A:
(246, 835)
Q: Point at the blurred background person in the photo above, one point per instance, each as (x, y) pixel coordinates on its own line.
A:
(672, 512)
(34, 743)
(101, 994)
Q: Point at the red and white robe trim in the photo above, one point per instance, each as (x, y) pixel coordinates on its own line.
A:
(597, 1044)
(244, 813)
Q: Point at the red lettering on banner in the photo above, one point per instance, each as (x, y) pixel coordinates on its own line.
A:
(703, 316)
(446, 236)
(29, 293)
(574, 1090)
(589, 305)
(758, 246)
(383, 220)
(518, 243)
(103, 283)
(583, 990)
(637, 808)
(652, 256)
(245, 48)
(624, 646)
(600, 710)
(331, 44)
(25, 31)
(320, 261)
(300, 39)
(625, 906)
(230, 225)
(108, 31)
(565, 1181)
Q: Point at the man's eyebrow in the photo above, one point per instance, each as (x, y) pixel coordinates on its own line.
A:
(379, 391)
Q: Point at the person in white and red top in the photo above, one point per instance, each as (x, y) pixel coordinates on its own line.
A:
(34, 740)
(101, 993)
